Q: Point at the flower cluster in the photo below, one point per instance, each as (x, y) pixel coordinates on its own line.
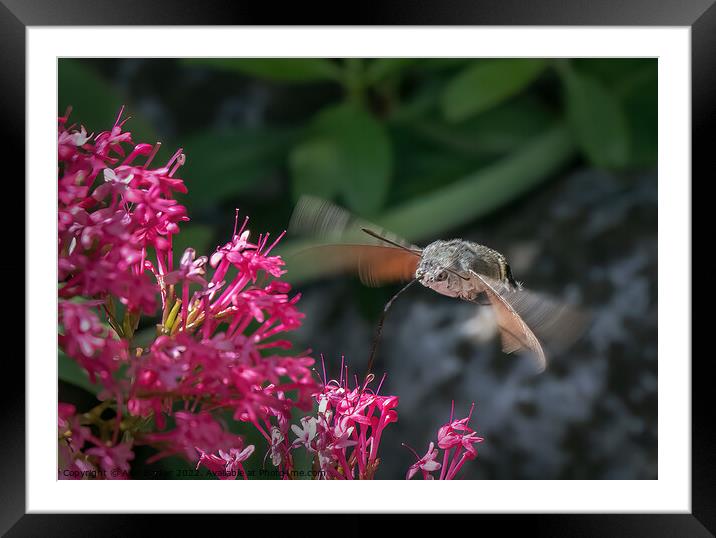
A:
(217, 340)
(342, 439)
(212, 329)
(345, 435)
(106, 230)
(82, 455)
(457, 440)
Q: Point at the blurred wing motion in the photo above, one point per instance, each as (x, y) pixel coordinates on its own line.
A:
(342, 246)
(375, 265)
(522, 316)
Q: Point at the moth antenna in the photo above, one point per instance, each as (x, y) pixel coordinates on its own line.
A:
(393, 243)
(381, 238)
(456, 273)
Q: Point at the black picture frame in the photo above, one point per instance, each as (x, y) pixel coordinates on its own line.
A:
(699, 15)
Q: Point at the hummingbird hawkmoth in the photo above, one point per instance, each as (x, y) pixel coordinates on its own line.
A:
(457, 268)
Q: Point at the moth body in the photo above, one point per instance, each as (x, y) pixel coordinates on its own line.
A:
(445, 268)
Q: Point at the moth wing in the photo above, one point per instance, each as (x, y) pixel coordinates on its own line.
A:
(555, 323)
(325, 222)
(529, 320)
(375, 265)
(339, 244)
(514, 332)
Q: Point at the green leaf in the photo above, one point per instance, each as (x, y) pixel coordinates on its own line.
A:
(420, 103)
(347, 151)
(486, 84)
(612, 71)
(71, 372)
(383, 68)
(440, 65)
(95, 103)
(276, 69)
(315, 165)
(640, 99)
(425, 164)
(484, 190)
(496, 131)
(224, 165)
(597, 119)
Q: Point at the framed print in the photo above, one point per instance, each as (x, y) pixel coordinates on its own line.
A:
(428, 260)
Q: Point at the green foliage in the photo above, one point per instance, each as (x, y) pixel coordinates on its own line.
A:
(597, 119)
(383, 68)
(276, 69)
(419, 145)
(224, 165)
(196, 236)
(484, 84)
(95, 102)
(315, 165)
(473, 196)
(478, 193)
(347, 152)
(71, 372)
(639, 97)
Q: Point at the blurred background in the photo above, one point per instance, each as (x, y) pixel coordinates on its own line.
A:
(552, 162)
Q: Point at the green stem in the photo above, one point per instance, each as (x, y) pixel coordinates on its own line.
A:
(111, 312)
(130, 322)
(172, 316)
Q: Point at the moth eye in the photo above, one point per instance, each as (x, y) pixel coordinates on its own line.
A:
(442, 275)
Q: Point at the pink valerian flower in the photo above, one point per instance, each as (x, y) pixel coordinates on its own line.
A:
(277, 446)
(116, 222)
(217, 373)
(306, 433)
(105, 232)
(205, 352)
(345, 435)
(226, 465)
(206, 356)
(191, 269)
(426, 464)
(193, 431)
(71, 437)
(457, 440)
(87, 341)
(113, 460)
(70, 428)
(82, 455)
(273, 424)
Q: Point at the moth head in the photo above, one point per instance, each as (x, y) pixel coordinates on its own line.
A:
(427, 273)
(440, 276)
